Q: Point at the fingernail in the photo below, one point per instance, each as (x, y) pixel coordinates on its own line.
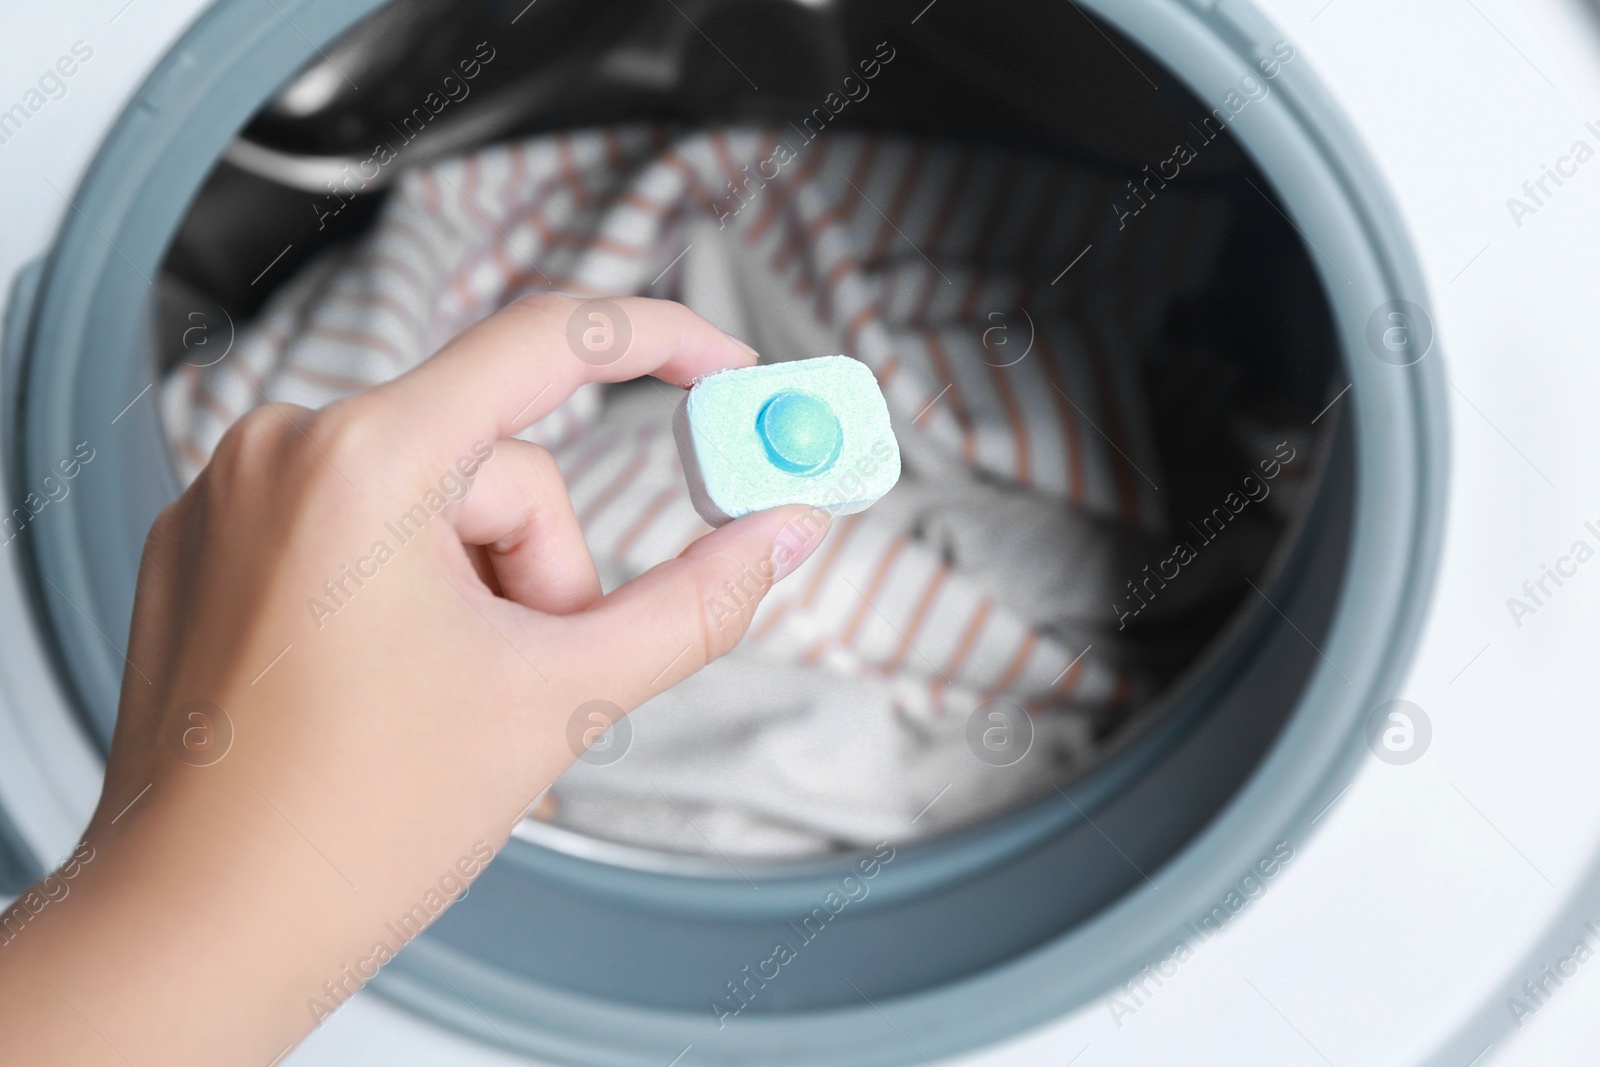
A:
(797, 539)
(753, 353)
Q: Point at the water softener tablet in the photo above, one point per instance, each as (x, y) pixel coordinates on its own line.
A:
(811, 431)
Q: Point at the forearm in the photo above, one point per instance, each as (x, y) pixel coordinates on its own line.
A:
(182, 941)
(205, 927)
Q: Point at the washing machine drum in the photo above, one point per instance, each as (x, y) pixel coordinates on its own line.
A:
(586, 949)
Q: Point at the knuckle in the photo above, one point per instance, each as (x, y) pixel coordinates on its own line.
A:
(713, 642)
(544, 305)
(543, 465)
(249, 433)
(293, 446)
(343, 433)
(253, 435)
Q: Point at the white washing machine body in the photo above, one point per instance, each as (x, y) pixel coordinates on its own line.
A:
(1430, 911)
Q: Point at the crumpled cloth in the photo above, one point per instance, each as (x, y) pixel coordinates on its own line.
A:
(1013, 383)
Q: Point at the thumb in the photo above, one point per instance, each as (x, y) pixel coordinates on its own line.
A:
(669, 622)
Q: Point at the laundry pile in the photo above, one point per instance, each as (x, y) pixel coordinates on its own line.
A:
(1013, 383)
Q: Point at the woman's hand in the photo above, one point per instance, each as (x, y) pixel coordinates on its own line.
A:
(357, 642)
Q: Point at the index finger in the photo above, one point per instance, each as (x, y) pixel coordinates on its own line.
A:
(510, 370)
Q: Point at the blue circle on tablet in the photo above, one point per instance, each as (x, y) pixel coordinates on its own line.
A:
(800, 432)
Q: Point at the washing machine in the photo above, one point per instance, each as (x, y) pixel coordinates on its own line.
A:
(1361, 826)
